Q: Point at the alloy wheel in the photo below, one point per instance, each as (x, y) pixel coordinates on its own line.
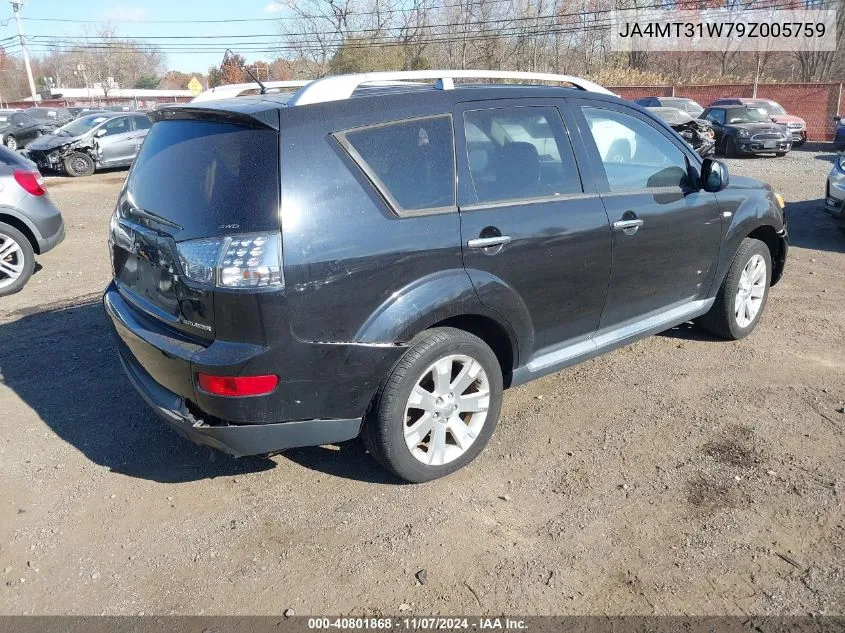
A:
(750, 292)
(11, 143)
(11, 261)
(446, 410)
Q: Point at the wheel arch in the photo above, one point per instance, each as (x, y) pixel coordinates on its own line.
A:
(447, 298)
(496, 335)
(23, 226)
(777, 248)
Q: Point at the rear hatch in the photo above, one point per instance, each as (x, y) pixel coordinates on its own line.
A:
(199, 175)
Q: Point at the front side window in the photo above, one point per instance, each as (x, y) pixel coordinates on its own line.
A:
(411, 163)
(635, 155)
(119, 125)
(519, 153)
(716, 116)
(22, 120)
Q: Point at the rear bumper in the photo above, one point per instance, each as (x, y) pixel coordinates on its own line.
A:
(836, 209)
(236, 439)
(323, 392)
(48, 243)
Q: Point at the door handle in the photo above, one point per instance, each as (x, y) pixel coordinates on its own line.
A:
(487, 242)
(628, 226)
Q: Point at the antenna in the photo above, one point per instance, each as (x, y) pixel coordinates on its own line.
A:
(249, 72)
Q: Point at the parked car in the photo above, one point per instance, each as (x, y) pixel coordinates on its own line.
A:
(441, 242)
(95, 141)
(796, 125)
(839, 134)
(81, 111)
(54, 117)
(682, 103)
(30, 224)
(697, 132)
(834, 194)
(742, 130)
(17, 129)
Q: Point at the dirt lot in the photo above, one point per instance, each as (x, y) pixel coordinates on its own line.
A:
(682, 475)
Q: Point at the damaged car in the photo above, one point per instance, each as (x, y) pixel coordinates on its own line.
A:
(95, 141)
(697, 132)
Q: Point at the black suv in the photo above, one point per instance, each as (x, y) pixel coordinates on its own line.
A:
(385, 258)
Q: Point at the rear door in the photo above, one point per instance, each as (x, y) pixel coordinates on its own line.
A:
(666, 230)
(140, 127)
(531, 230)
(117, 146)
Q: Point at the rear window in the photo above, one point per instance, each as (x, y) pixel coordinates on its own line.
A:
(411, 162)
(15, 160)
(204, 175)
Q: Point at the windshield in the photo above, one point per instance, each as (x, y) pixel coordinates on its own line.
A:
(81, 125)
(770, 107)
(672, 116)
(746, 115)
(687, 105)
(42, 114)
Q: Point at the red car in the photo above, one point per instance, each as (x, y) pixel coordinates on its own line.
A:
(796, 125)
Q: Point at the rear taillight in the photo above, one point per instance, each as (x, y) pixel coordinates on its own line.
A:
(31, 181)
(239, 261)
(237, 385)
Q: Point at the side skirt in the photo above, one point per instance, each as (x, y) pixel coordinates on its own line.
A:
(548, 362)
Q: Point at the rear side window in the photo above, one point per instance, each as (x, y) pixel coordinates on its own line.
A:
(203, 174)
(411, 162)
(142, 122)
(519, 153)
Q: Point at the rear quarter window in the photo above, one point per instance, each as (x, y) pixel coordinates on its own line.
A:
(410, 162)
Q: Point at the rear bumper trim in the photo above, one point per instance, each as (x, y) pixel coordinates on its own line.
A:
(236, 439)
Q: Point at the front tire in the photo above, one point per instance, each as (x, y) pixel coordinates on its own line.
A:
(438, 408)
(730, 148)
(11, 142)
(744, 292)
(17, 260)
(79, 164)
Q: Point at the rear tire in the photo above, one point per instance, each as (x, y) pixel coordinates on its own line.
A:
(438, 408)
(743, 295)
(17, 260)
(79, 164)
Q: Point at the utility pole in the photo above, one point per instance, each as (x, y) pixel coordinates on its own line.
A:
(16, 7)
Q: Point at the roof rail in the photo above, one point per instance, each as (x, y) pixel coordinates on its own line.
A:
(341, 87)
(234, 90)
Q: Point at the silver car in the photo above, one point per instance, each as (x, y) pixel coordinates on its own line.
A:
(95, 141)
(30, 223)
(834, 195)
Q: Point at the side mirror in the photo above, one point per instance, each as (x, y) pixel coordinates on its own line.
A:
(714, 175)
(774, 120)
(100, 133)
(837, 119)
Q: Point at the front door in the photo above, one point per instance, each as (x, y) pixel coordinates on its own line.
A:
(666, 230)
(531, 232)
(117, 146)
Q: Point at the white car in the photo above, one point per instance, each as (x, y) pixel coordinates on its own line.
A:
(835, 190)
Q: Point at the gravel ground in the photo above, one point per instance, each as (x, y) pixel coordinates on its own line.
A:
(681, 475)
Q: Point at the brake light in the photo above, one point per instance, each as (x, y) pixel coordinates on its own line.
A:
(237, 385)
(31, 181)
